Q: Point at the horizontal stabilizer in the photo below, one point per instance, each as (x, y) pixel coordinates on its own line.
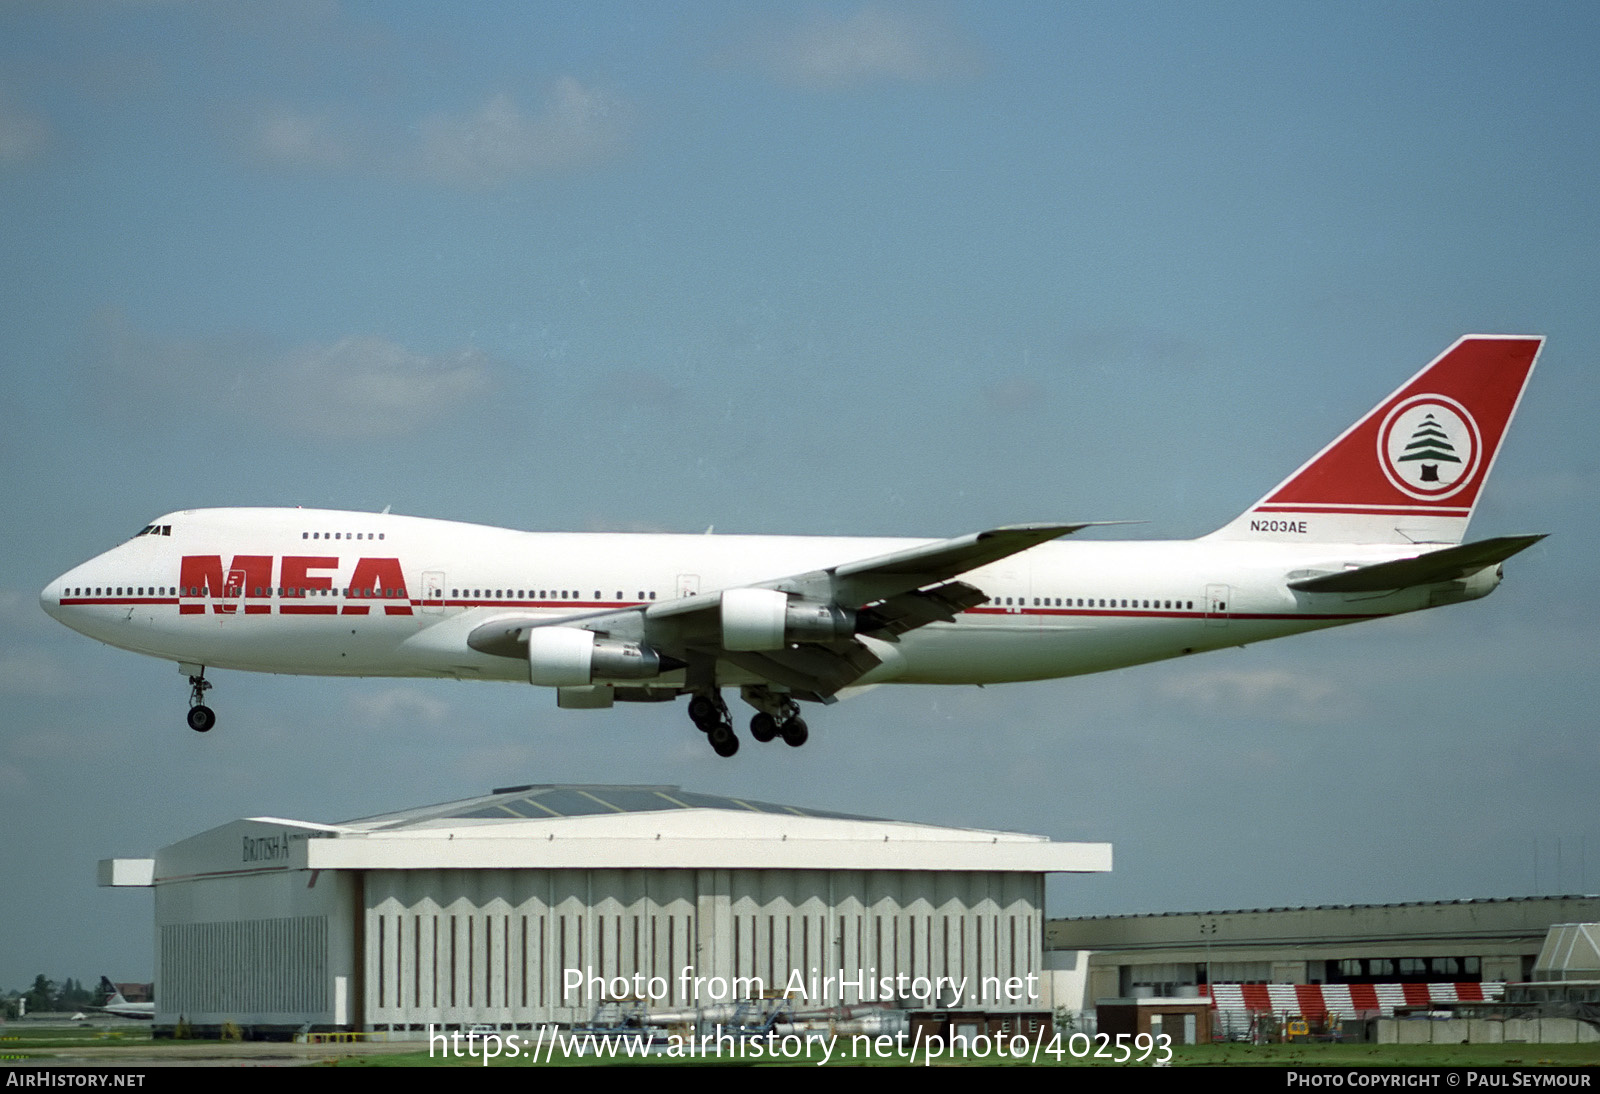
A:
(1449, 564)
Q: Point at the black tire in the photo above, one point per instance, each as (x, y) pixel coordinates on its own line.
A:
(796, 732)
(763, 727)
(703, 713)
(201, 718)
(724, 741)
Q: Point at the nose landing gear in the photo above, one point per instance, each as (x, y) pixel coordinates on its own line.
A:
(201, 717)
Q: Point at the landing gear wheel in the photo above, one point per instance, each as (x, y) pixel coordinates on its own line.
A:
(795, 732)
(763, 727)
(201, 718)
(703, 713)
(724, 742)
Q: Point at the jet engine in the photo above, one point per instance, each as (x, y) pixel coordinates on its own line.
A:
(766, 619)
(561, 657)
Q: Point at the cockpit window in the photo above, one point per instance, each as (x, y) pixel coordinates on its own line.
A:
(155, 530)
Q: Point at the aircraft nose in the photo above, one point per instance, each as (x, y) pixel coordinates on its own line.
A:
(50, 599)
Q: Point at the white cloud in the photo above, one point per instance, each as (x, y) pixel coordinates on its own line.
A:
(873, 45)
(23, 136)
(17, 608)
(359, 388)
(1269, 693)
(399, 706)
(493, 144)
(369, 387)
(287, 138)
(574, 127)
(32, 672)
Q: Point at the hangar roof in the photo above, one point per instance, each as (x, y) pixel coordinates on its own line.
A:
(612, 827)
(540, 801)
(1508, 920)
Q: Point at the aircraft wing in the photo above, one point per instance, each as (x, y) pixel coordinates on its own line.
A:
(877, 598)
(1449, 564)
(917, 567)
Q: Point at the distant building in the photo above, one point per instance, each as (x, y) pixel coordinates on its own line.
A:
(1442, 942)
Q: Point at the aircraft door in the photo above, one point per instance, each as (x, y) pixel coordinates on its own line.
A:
(1217, 597)
(233, 592)
(688, 585)
(433, 592)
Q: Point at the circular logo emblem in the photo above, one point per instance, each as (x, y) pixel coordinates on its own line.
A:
(1429, 447)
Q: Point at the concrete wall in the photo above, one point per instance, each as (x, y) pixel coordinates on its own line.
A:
(1485, 1031)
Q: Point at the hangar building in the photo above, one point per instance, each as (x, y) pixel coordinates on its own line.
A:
(529, 904)
(1436, 942)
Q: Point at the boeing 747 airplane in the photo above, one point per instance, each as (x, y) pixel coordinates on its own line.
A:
(1372, 526)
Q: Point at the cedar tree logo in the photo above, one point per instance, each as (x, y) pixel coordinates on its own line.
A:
(1429, 447)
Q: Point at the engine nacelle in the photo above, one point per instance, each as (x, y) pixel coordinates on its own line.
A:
(565, 657)
(765, 619)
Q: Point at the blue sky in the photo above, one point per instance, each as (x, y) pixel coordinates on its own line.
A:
(825, 268)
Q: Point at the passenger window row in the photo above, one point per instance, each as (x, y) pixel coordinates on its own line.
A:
(121, 590)
(537, 594)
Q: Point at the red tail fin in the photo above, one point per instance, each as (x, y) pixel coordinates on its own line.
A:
(1412, 469)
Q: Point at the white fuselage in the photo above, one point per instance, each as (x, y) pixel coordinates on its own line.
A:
(358, 594)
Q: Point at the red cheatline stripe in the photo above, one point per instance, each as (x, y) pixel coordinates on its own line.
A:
(187, 607)
(537, 603)
(1152, 613)
(198, 605)
(81, 601)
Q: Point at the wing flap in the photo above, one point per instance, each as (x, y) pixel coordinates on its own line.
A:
(813, 672)
(898, 614)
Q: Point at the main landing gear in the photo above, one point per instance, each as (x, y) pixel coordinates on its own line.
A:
(776, 716)
(201, 717)
(710, 715)
(790, 726)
